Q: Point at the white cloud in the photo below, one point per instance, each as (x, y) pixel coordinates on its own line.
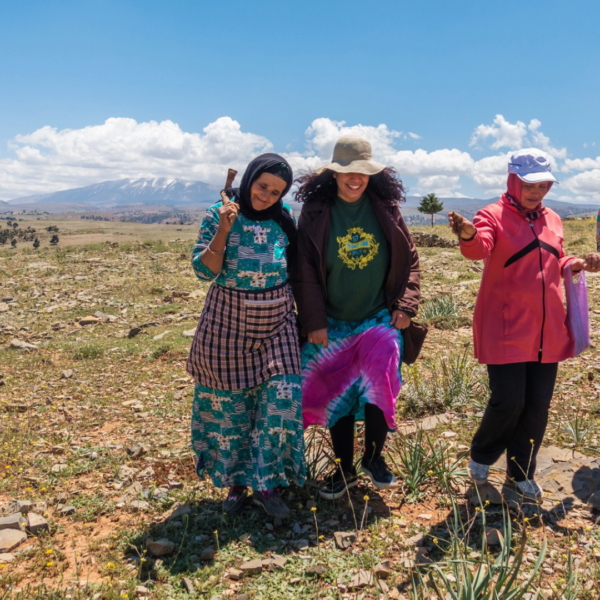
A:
(50, 159)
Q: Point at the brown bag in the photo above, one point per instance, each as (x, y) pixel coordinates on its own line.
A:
(414, 336)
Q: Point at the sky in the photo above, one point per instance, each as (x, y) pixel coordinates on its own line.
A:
(97, 90)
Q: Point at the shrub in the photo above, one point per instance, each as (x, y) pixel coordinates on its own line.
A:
(89, 352)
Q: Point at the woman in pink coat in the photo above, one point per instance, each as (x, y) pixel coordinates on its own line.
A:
(520, 325)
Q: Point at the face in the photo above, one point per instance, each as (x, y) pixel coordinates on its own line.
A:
(351, 186)
(266, 190)
(533, 193)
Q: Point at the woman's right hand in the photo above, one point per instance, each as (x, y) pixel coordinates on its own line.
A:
(227, 215)
(461, 227)
(318, 337)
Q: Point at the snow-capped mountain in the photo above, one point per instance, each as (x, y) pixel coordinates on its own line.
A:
(124, 193)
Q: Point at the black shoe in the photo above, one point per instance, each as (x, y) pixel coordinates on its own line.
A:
(235, 502)
(381, 476)
(334, 487)
(273, 504)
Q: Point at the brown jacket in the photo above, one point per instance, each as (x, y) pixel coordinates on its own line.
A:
(309, 273)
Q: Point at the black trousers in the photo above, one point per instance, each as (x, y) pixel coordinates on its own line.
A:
(342, 437)
(516, 416)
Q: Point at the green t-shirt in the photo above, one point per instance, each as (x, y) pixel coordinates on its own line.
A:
(358, 258)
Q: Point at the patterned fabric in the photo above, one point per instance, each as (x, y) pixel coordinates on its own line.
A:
(245, 338)
(255, 255)
(530, 215)
(361, 365)
(252, 437)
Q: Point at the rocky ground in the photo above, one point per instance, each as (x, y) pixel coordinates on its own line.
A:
(98, 492)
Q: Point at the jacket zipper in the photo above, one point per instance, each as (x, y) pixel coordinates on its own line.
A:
(543, 292)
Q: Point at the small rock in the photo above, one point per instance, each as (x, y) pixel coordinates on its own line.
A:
(65, 511)
(235, 574)
(383, 569)
(416, 540)
(67, 374)
(89, 320)
(189, 333)
(425, 516)
(139, 505)
(141, 590)
(207, 554)
(243, 597)
(188, 585)
(16, 521)
(175, 485)
(10, 539)
(481, 493)
(22, 345)
(344, 539)
(252, 567)
(247, 539)
(493, 536)
(134, 331)
(360, 580)
(160, 547)
(160, 336)
(318, 570)
(6, 558)
(279, 562)
(36, 524)
(137, 450)
(180, 511)
(59, 467)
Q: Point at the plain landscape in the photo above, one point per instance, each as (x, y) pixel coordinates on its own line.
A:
(98, 490)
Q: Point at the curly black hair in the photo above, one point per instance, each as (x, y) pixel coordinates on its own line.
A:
(384, 187)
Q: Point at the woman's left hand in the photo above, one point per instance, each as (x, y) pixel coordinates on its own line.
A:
(400, 320)
(590, 263)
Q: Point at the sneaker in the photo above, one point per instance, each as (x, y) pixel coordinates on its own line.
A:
(530, 488)
(479, 473)
(335, 487)
(272, 503)
(235, 501)
(381, 476)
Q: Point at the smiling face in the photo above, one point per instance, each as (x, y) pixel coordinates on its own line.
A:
(266, 190)
(533, 193)
(351, 186)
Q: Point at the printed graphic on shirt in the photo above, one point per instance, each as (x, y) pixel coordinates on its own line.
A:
(357, 248)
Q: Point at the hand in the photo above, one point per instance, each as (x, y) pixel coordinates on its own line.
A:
(318, 337)
(590, 263)
(461, 227)
(400, 320)
(227, 215)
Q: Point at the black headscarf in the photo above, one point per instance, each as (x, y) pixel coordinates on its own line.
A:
(276, 165)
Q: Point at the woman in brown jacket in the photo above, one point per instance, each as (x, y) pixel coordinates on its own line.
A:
(356, 285)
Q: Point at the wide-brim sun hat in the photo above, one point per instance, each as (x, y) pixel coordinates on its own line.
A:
(531, 165)
(352, 154)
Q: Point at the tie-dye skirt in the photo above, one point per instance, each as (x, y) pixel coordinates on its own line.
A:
(361, 365)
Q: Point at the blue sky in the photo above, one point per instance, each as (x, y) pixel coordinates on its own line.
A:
(438, 70)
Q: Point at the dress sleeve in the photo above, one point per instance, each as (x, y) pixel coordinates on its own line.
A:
(481, 246)
(208, 229)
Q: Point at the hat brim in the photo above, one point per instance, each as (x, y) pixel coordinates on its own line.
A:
(538, 177)
(364, 167)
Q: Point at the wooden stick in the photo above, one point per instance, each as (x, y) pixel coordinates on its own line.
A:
(231, 173)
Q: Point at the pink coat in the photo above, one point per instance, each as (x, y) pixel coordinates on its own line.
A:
(519, 313)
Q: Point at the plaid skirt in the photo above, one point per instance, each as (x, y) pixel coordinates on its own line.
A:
(245, 337)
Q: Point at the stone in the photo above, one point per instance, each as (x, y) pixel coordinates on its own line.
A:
(493, 536)
(133, 332)
(89, 320)
(21, 345)
(15, 521)
(65, 511)
(10, 539)
(141, 590)
(243, 597)
(252, 567)
(188, 585)
(207, 554)
(67, 374)
(344, 539)
(137, 450)
(361, 580)
(139, 505)
(175, 485)
(160, 336)
(383, 569)
(127, 473)
(59, 467)
(316, 570)
(6, 558)
(416, 540)
(180, 511)
(162, 547)
(483, 493)
(36, 524)
(235, 574)
(279, 562)
(189, 333)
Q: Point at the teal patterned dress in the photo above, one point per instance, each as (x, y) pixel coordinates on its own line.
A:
(253, 436)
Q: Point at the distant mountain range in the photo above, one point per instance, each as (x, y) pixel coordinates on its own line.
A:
(127, 195)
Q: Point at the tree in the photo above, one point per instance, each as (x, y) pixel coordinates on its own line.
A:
(13, 243)
(54, 240)
(36, 243)
(430, 205)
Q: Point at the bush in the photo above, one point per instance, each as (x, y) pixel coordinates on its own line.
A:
(89, 352)
(450, 381)
(442, 312)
